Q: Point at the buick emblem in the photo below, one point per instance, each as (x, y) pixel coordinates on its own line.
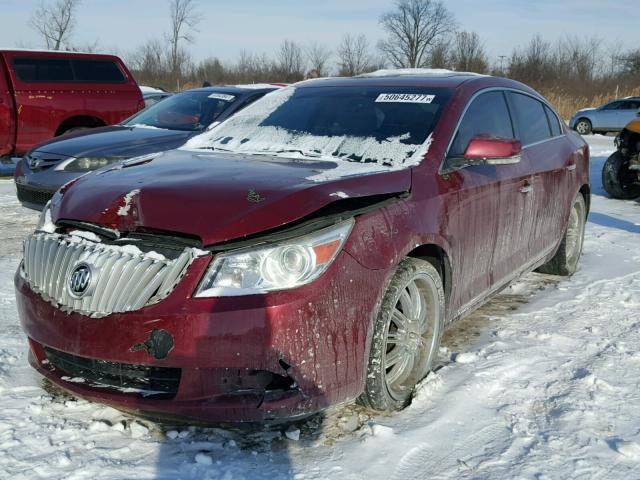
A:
(79, 281)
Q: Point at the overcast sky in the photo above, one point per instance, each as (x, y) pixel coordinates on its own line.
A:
(227, 27)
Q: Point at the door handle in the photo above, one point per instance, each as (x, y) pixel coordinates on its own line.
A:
(526, 188)
(571, 167)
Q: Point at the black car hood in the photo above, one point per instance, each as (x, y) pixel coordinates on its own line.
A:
(115, 141)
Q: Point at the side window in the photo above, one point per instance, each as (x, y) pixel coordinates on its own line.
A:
(97, 71)
(487, 115)
(612, 106)
(556, 129)
(31, 69)
(530, 118)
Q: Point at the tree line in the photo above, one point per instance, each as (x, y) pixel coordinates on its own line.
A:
(418, 33)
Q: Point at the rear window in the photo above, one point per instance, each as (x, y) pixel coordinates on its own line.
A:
(59, 70)
(531, 118)
(556, 130)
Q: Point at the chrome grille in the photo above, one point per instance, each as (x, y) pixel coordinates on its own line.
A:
(124, 279)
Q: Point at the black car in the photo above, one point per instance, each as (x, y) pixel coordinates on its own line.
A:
(163, 126)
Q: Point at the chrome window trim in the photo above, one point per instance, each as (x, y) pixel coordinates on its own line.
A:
(443, 170)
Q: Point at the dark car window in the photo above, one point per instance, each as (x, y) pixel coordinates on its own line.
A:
(630, 105)
(103, 71)
(487, 115)
(43, 69)
(189, 111)
(612, 106)
(57, 70)
(556, 129)
(530, 118)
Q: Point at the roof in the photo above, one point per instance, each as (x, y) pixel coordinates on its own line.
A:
(441, 79)
(420, 72)
(59, 52)
(234, 90)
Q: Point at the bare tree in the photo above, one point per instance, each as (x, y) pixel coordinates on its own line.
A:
(318, 56)
(290, 61)
(413, 28)
(631, 63)
(440, 54)
(55, 22)
(468, 54)
(354, 56)
(184, 22)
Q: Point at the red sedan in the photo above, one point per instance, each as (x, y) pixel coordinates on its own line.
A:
(308, 251)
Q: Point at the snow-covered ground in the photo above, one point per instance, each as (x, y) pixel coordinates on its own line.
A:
(543, 382)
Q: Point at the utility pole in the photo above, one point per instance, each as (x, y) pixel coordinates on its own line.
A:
(502, 57)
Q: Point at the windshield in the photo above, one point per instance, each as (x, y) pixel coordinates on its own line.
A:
(189, 111)
(387, 126)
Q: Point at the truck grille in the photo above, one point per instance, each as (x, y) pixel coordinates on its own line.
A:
(32, 195)
(128, 378)
(120, 278)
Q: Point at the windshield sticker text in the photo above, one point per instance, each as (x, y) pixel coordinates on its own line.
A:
(405, 98)
(222, 96)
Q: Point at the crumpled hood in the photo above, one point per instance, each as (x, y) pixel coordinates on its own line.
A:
(216, 197)
(115, 141)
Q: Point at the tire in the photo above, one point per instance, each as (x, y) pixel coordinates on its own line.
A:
(618, 181)
(565, 261)
(412, 349)
(584, 127)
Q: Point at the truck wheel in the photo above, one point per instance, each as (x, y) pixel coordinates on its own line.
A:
(618, 181)
(583, 127)
(406, 336)
(565, 261)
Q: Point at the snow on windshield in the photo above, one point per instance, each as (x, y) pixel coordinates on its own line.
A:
(359, 129)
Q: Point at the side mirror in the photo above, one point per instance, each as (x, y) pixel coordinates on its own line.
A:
(493, 151)
(484, 150)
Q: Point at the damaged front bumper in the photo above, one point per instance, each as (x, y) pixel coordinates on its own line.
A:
(238, 359)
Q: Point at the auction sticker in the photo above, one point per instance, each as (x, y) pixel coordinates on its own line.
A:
(405, 98)
(222, 96)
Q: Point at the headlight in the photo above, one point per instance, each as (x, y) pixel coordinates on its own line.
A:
(45, 223)
(87, 164)
(281, 266)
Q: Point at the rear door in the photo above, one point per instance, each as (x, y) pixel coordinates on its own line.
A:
(552, 164)
(7, 113)
(627, 112)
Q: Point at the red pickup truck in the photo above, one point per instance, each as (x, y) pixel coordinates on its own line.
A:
(45, 94)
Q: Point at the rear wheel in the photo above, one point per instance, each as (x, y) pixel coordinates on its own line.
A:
(406, 336)
(565, 261)
(618, 181)
(583, 127)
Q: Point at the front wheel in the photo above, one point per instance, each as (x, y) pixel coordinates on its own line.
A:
(406, 336)
(565, 261)
(618, 181)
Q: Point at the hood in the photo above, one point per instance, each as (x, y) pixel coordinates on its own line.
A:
(584, 110)
(215, 197)
(115, 141)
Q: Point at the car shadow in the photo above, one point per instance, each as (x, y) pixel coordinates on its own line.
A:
(612, 222)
